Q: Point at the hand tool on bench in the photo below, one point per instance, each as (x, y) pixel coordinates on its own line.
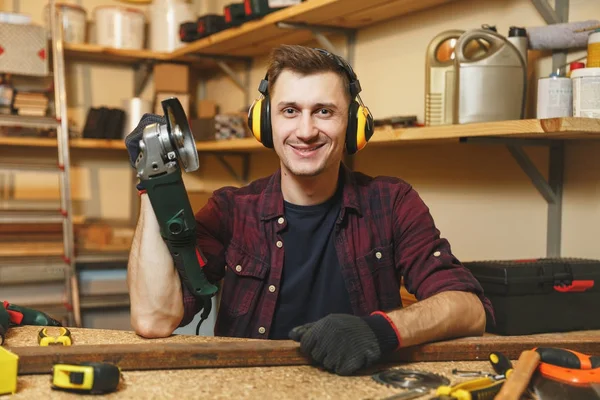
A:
(518, 380)
(417, 383)
(475, 389)
(63, 339)
(4, 323)
(566, 373)
(94, 378)
(162, 148)
(501, 364)
(14, 315)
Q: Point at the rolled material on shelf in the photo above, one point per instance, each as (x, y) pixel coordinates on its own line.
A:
(560, 36)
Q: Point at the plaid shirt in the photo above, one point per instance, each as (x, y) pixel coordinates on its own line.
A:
(384, 232)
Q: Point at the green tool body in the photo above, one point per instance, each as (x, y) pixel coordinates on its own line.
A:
(174, 213)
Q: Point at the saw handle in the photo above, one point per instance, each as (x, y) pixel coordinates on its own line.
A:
(567, 358)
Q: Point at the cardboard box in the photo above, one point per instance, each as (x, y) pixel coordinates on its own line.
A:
(174, 78)
(184, 99)
(24, 49)
(206, 109)
(203, 129)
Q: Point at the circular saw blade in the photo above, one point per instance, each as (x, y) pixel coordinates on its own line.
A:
(180, 134)
(410, 379)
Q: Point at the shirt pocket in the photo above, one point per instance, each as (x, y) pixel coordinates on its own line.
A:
(383, 276)
(244, 280)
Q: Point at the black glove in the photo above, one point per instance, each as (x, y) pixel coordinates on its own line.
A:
(345, 343)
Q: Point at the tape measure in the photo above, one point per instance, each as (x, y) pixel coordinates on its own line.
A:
(94, 378)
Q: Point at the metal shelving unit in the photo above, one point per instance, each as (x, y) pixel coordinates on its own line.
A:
(70, 307)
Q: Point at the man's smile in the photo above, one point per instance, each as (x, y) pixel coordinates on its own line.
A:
(306, 150)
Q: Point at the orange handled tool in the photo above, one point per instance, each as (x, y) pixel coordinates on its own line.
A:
(567, 358)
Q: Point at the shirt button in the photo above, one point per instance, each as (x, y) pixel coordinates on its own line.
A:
(261, 330)
(279, 243)
(280, 220)
(272, 288)
(378, 255)
(436, 254)
(238, 268)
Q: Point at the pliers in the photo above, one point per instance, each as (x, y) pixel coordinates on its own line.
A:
(474, 389)
(63, 339)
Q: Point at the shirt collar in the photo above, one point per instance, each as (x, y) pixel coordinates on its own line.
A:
(271, 198)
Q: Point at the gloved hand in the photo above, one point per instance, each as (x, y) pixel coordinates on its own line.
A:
(345, 343)
(132, 141)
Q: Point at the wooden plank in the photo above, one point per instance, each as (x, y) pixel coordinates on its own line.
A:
(104, 144)
(95, 53)
(27, 141)
(260, 353)
(564, 128)
(384, 12)
(31, 249)
(249, 38)
(245, 144)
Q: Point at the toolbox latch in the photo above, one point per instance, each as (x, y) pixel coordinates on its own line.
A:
(575, 286)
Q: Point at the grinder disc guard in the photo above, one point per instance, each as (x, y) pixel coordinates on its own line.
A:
(180, 134)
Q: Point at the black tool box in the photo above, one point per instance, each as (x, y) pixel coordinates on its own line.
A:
(204, 26)
(234, 14)
(260, 8)
(541, 295)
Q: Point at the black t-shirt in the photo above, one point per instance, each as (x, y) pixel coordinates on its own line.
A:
(312, 285)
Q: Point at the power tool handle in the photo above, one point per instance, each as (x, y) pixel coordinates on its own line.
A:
(567, 358)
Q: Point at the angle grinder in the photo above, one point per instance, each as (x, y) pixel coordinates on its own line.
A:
(165, 148)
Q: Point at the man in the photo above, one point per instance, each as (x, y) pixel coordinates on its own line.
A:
(315, 252)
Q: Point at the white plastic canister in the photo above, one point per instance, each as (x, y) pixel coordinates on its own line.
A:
(119, 27)
(165, 18)
(554, 97)
(586, 92)
(73, 19)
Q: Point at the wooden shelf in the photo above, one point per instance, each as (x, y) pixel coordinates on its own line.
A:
(554, 128)
(95, 53)
(258, 37)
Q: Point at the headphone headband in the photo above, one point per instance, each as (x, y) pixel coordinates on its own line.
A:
(354, 84)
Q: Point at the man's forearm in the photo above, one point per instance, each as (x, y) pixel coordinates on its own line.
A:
(154, 285)
(446, 315)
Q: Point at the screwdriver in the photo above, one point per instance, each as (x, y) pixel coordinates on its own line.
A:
(501, 363)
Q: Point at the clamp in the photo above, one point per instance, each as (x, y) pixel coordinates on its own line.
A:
(63, 339)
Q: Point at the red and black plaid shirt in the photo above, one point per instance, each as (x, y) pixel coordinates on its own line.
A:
(384, 232)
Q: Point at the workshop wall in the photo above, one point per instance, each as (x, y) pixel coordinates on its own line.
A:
(481, 200)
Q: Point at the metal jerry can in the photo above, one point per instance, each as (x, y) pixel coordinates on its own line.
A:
(440, 78)
(491, 78)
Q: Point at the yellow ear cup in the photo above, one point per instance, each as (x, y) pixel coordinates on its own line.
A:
(361, 127)
(256, 119)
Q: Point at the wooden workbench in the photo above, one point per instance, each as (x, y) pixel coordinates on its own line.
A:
(281, 382)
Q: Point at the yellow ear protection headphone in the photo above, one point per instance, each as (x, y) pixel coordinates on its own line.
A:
(360, 120)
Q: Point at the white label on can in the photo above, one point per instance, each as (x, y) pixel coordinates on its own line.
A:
(555, 98)
(586, 97)
(283, 3)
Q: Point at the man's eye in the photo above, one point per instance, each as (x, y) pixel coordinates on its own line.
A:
(324, 111)
(289, 111)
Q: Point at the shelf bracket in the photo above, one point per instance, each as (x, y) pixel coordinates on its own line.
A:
(242, 177)
(558, 14)
(142, 73)
(551, 189)
(243, 83)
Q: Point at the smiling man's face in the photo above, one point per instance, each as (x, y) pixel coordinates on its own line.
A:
(309, 115)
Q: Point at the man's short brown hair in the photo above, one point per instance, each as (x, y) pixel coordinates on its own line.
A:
(303, 60)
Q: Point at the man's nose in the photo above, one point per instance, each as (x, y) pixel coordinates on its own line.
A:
(307, 129)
